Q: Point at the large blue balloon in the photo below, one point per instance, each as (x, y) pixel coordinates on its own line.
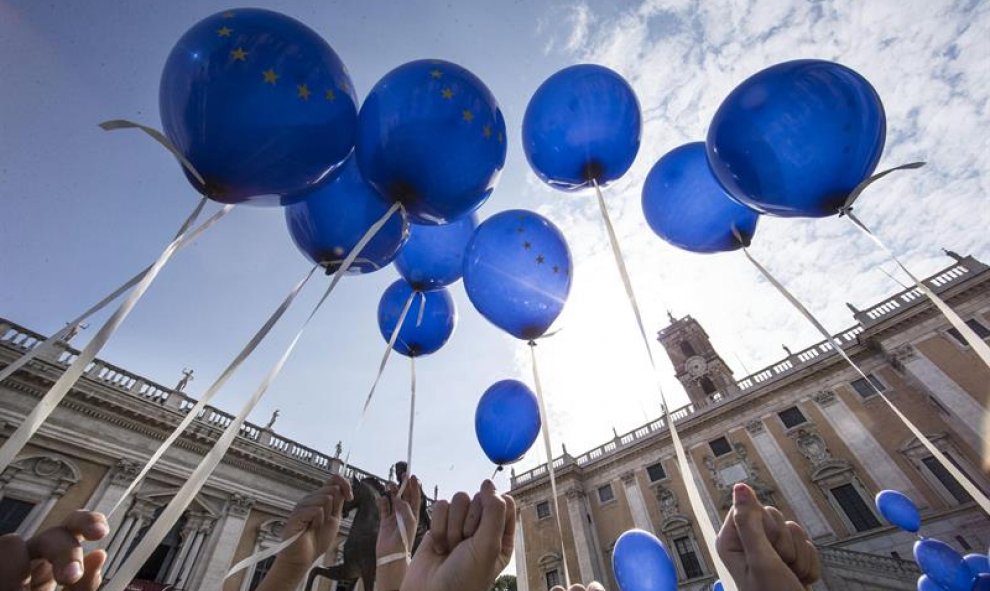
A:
(334, 216)
(796, 138)
(431, 136)
(582, 124)
(977, 563)
(687, 207)
(434, 255)
(517, 272)
(899, 510)
(641, 562)
(259, 103)
(507, 421)
(943, 565)
(926, 584)
(428, 324)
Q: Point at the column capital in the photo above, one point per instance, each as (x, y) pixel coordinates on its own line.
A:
(239, 505)
(628, 477)
(124, 471)
(755, 427)
(574, 493)
(824, 397)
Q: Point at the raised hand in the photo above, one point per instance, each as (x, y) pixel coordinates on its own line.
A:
(55, 556)
(391, 549)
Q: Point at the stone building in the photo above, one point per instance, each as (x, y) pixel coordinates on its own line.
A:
(807, 433)
(97, 440)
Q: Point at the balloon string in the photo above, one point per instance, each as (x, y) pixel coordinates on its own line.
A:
(412, 421)
(961, 478)
(49, 343)
(694, 495)
(978, 345)
(550, 468)
(33, 421)
(215, 387)
(422, 309)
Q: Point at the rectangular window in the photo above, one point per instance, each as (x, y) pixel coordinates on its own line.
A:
(980, 330)
(863, 388)
(791, 417)
(656, 472)
(260, 571)
(553, 578)
(13, 512)
(855, 507)
(720, 446)
(605, 493)
(688, 557)
(543, 509)
(938, 471)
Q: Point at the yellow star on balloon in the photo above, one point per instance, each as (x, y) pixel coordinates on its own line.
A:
(303, 91)
(447, 93)
(436, 73)
(239, 55)
(467, 115)
(487, 131)
(270, 76)
(225, 32)
(329, 95)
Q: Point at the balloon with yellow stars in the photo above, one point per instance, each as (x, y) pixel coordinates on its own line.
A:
(431, 136)
(260, 104)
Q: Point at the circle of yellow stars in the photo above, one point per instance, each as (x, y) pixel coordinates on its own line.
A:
(467, 115)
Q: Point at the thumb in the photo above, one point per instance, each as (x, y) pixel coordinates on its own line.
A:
(748, 519)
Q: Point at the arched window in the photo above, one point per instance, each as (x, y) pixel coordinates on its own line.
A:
(687, 349)
(707, 386)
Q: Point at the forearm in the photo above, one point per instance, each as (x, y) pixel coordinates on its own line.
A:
(283, 575)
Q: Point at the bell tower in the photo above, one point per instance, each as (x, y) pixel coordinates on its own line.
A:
(697, 365)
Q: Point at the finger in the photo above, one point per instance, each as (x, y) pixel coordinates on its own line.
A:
(87, 525)
(779, 535)
(749, 524)
(15, 567)
(382, 509)
(509, 532)
(343, 485)
(577, 588)
(93, 577)
(455, 519)
(303, 519)
(61, 548)
(727, 542)
(806, 566)
(558, 588)
(329, 504)
(413, 494)
(439, 527)
(473, 518)
(492, 525)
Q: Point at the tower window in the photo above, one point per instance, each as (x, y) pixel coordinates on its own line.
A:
(720, 446)
(707, 386)
(980, 330)
(864, 389)
(688, 557)
(791, 417)
(687, 349)
(656, 472)
(855, 507)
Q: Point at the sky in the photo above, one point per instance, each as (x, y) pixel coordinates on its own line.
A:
(81, 209)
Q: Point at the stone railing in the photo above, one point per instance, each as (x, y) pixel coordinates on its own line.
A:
(875, 563)
(18, 339)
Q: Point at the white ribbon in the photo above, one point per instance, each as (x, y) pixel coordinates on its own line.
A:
(32, 422)
(412, 421)
(212, 390)
(694, 496)
(961, 478)
(550, 469)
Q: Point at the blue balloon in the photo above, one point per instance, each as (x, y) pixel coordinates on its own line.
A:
(981, 582)
(718, 586)
(428, 324)
(943, 565)
(582, 124)
(899, 510)
(642, 563)
(507, 421)
(431, 136)
(796, 138)
(334, 216)
(259, 103)
(977, 563)
(926, 584)
(433, 257)
(687, 207)
(517, 272)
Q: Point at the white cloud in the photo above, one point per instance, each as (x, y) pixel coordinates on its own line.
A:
(927, 61)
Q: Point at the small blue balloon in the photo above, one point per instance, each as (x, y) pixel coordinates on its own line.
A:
(796, 138)
(981, 582)
(582, 124)
(977, 563)
(687, 207)
(334, 216)
(718, 586)
(259, 103)
(642, 563)
(431, 136)
(517, 272)
(433, 257)
(428, 324)
(899, 510)
(507, 421)
(943, 564)
(926, 584)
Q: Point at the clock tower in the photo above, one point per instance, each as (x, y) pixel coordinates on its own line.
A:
(697, 365)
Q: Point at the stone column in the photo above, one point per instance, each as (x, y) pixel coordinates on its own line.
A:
(186, 571)
(637, 504)
(791, 485)
(863, 445)
(522, 578)
(228, 537)
(706, 498)
(116, 482)
(190, 532)
(958, 402)
(580, 539)
(142, 512)
(37, 516)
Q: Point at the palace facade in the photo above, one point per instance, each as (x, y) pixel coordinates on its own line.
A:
(807, 433)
